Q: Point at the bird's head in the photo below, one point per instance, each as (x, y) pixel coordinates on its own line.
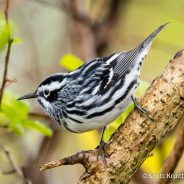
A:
(48, 92)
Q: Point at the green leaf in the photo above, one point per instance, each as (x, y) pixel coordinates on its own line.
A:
(71, 62)
(16, 127)
(17, 40)
(13, 109)
(1, 16)
(33, 124)
(5, 32)
(3, 118)
(15, 114)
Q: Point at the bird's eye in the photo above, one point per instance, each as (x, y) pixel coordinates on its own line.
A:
(46, 93)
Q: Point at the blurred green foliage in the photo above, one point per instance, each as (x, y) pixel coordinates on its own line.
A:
(15, 114)
(71, 62)
(5, 31)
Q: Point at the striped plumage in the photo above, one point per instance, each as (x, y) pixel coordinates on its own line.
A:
(95, 94)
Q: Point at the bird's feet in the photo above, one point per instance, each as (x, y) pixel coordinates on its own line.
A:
(102, 154)
(140, 108)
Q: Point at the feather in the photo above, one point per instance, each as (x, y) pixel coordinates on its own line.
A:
(122, 62)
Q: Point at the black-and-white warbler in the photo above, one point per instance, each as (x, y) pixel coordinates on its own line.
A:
(95, 94)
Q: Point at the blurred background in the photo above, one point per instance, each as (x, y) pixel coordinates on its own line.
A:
(58, 36)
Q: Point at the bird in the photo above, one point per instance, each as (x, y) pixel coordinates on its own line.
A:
(97, 93)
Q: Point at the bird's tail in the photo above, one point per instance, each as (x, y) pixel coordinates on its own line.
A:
(150, 38)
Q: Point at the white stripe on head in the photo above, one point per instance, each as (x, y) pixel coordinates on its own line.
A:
(52, 86)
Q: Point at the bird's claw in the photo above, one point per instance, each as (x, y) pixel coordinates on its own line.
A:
(102, 154)
(141, 109)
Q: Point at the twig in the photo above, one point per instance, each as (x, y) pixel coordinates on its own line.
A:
(9, 172)
(12, 162)
(4, 126)
(79, 16)
(174, 158)
(91, 29)
(38, 115)
(7, 57)
(78, 158)
(98, 8)
(106, 28)
(7, 11)
(14, 166)
(57, 5)
(31, 114)
(82, 34)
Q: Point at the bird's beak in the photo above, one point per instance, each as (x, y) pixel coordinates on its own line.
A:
(27, 96)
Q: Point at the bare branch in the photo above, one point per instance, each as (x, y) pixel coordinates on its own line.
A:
(172, 161)
(71, 10)
(78, 158)
(82, 34)
(14, 166)
(6, 11)
(7, 57)
(9, 172)
(4, 126)
(38, 115)
(104, 31)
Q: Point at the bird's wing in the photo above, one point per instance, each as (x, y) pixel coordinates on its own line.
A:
(103, 73)
(95, 73)
(122, 62)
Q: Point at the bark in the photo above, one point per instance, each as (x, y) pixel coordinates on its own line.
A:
(132, 143)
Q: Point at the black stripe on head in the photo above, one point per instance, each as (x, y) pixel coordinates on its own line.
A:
(53, 78)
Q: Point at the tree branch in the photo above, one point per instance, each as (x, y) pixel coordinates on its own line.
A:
(132, 143)
(38, 115)
(7, 57)
(82, 34)
(14, 166)
(71, 10)
(172, 161)
(80, 157)
(91, 34)
(105, 31)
